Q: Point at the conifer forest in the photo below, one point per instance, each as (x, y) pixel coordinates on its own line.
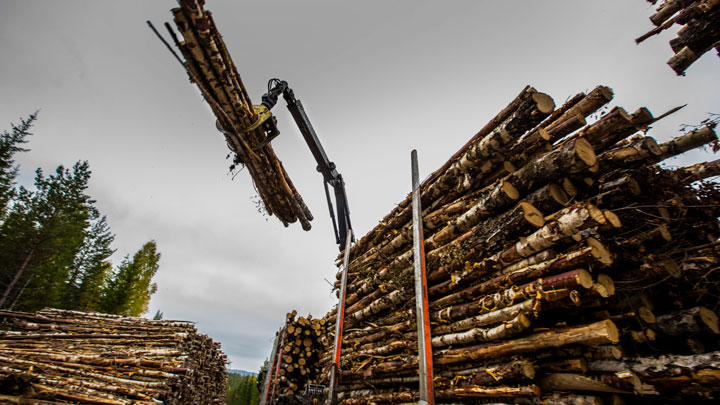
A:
(57, 245)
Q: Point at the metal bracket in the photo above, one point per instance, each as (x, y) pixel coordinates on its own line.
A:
(263, 114)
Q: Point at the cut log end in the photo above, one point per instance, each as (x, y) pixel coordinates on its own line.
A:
(558, 194)
(599, 251)
(646, 315)
(612, 218)
(569, 187)
(524, 320)
(624, 114)
(652, 146)
(611, 331)
(544, 103)
(510, 190)
(614, 352)
(642, 116)
(603, 92)
(532, 214)
(544, 134)
(596, 214)
(584, 278)
(604, 286)
(509, 167)
(585, 151)
(528, 370)
(710, 319)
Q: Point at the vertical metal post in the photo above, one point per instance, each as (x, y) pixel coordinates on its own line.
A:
(270, 370)
(276, 366)
(427, 395)
(335, 366)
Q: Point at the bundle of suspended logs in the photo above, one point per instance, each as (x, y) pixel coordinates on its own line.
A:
(210, 67)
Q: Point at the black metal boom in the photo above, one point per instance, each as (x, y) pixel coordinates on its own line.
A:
(341, 221)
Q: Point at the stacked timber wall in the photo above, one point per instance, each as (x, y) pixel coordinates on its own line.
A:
(564, 266)
(296, 362)
(56, 356)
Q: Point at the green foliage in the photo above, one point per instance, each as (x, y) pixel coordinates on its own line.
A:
(158, 316)
(44, 230)
(9, 145)
(242, 390)
(61, 212)
(129, 289)
(56, 245)
(91, 268)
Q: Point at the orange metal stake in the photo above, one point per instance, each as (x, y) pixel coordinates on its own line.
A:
(427, 394)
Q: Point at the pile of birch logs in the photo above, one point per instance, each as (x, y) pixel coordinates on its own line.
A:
(564, 267)
(210, 67)
(55, 356)
(700, 32)
(301, 346)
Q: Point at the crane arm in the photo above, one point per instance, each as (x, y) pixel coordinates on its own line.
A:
(340, 214)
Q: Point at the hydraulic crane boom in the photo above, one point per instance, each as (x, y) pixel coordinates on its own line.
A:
(341, 221)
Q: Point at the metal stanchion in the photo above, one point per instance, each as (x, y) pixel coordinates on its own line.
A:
(335, 366)
(276, 366)
(427, 395)
(269, 373)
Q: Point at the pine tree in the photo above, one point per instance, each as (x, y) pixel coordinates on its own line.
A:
(233, 394)
(9, 145)
(242, 390)
(55, 245)
(254, 393)
(245, 391)
(130, 287)
(90, 268)
(43, 232)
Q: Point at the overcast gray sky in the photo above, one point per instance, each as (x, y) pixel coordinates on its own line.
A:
(378, 78)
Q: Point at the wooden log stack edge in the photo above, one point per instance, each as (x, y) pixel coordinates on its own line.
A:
(565, 266)
(298, 357)
(699, 32)
(58, 356)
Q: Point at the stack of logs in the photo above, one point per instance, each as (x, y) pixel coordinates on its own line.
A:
(700, 32)
(210, 67)
(299, 357)
(55, 356)
(564, 266)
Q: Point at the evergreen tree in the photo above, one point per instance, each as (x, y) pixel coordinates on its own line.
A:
(42, 233)
(55, 245)
(254, 393)
(242, 390)
(129, 289)
(90, 268)
(158, 316)
(9, 145)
